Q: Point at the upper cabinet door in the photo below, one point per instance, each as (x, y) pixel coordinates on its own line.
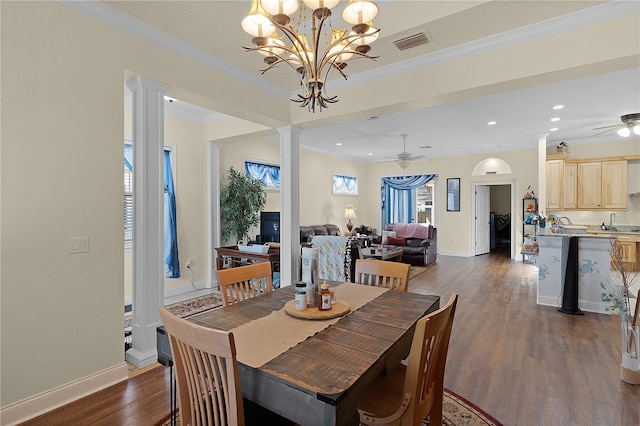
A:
(590, 185)
(614, 184)
(570, 186)
(554, 172)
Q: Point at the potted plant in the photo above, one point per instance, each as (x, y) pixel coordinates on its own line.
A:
(617, 293)
(242, 199)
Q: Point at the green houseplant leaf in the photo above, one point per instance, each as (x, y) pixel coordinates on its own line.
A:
(241, 200)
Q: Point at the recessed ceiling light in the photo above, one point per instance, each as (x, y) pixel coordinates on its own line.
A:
(339, 143)
(491, 123)
(555, 119)
(372, 118)
(553, 129)
(371, 153)
(558, 107)
(425, 146)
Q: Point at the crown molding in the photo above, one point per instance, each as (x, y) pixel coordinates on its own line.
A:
(124, 22)
(601, 13)
(593, 15)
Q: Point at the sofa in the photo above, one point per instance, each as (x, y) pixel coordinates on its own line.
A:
(418, 242)
(308, 232)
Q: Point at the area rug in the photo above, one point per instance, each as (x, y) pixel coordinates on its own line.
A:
(183, 309)
(414, 271)
(456, 411)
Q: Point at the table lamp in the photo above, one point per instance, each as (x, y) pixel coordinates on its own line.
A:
(350, 213)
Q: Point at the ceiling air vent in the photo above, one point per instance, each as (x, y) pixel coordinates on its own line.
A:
(411, 41)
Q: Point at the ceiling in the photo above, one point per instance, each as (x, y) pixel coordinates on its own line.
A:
(521, 116)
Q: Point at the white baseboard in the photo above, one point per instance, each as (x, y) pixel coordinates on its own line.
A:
(455, 254)
(176, 292)
(186, 288)
(44, 402)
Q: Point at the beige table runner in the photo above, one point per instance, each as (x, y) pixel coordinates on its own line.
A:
(259, 341)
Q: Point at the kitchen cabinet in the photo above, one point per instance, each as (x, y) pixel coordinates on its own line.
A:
(570, 186)
(602, 185)
(555, 183)
(590, 185)
(629, 254)
(614, 184)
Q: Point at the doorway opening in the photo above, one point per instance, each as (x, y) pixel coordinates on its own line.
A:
(493, 226)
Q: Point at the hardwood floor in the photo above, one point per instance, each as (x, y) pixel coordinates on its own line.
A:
(522, 363)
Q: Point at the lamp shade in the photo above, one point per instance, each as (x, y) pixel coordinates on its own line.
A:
(360, 12)
(256, 22)
(275, 7)
(318, 4)
(350, 212)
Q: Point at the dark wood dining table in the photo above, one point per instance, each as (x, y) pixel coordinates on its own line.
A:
(319, 380)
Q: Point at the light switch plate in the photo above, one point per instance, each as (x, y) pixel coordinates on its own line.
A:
(78, 245)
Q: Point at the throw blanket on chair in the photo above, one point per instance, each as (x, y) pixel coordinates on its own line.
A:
(411, 230)
(331, 257)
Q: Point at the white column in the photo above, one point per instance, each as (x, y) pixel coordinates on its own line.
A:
(148, 215)
(213, 202)
(289, 204)
(542, 171)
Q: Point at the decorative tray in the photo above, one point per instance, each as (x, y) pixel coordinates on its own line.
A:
(340, 308)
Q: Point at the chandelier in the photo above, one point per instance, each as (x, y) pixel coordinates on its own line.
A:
(286, 42)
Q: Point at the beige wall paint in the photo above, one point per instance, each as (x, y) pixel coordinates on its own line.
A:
(318, 205)
(187, 141)
(62, 98)
(455, 229)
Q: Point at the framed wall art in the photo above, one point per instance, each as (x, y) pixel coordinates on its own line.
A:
(453, 194)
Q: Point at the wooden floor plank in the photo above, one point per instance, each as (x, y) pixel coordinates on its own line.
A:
(522, 363)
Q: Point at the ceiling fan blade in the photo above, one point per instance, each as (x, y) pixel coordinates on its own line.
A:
(416, 157)
(607, 127)
(602, 132)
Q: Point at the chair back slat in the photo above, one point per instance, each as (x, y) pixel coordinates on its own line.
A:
(379, 273)
(207, 376)
(427, 360)
(245, 282)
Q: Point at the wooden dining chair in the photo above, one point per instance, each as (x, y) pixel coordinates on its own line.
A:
(206, 369)
(245, 282)
(380, 273)
(407, 395)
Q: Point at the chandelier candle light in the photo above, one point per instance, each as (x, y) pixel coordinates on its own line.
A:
(269, 22)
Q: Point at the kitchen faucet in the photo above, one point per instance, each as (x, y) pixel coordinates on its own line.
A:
(611, 217)
(566, 218)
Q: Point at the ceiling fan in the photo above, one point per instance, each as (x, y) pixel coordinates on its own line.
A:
(404, 158)
(630, 124)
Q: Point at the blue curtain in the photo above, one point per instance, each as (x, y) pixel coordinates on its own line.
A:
(171, 261)
(399, 197)
(267, 173)
(172, 264)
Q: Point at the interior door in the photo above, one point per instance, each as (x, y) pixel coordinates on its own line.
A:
(483, 231)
